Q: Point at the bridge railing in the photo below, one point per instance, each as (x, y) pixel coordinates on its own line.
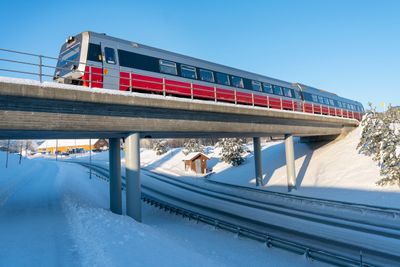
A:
(43, 68)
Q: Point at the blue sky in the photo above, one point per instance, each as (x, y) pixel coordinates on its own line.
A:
(351, 48)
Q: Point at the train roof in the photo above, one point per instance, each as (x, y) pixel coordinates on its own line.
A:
(204, 63)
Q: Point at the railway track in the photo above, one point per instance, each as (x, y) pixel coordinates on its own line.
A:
(334, 251)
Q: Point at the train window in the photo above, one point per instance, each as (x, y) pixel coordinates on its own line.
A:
(321, 99)
(277, 90)
(222, 78)
(94, 52)
(206, 75)
(297, 94)
(256, 86)
(315, 98)
(237, 82)
(339, 104)
(188, 72)
(109, 54)
(331, 102)
(326, 100)
(267, 88)
(168, 67)
(287, 92)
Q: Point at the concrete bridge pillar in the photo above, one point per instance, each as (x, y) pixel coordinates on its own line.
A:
(132, 167)
(257, 160)
(290, 167)
(115, 175)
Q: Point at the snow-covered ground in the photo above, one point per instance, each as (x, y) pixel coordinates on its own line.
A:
(333, 171)
(52, 214)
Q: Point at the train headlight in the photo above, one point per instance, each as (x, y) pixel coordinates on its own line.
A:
(70, 39)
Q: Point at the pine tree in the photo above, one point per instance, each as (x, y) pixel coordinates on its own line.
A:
(381, 139)
(161, 147)
(232, 150)
(192, 145)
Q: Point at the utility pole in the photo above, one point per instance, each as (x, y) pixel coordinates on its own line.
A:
(90, 158)
(56, 149)
(8, 149)
(20, 153)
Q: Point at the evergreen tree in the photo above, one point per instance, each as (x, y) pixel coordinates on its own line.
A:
(161, 147)
(381, 139)
(192, 145)
(232, 150)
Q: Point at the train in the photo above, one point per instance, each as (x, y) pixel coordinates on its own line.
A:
(97, 60)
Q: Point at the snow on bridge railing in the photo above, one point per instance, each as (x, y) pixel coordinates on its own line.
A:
(43, 68)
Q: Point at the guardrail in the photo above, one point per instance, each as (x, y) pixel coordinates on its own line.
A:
(269, 240)
(43, 68)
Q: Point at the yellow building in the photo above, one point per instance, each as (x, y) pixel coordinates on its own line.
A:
(72, 145)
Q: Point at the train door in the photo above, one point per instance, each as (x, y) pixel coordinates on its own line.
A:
(110, 67)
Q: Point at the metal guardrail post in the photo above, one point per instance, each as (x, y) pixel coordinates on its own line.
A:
(191, 91)
(320, 109)
(130, 81)
(215, 93)
(268, 101)
(90, 76)
(292, 104)
(163, 88)
(252, 99)
(235, 92)
(40, 68)
(281, 103)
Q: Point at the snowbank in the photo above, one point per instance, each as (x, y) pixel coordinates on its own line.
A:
(52, 214)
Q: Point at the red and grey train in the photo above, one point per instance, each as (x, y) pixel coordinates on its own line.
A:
(100, 61)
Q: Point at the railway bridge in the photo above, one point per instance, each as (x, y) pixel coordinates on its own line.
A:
(31, 110)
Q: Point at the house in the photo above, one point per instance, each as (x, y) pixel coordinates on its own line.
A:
(196, 162)
(72, 145)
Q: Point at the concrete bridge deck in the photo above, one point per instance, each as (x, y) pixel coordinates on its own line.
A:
(50, 110)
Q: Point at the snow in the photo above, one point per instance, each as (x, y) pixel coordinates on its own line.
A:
(334, 171)
(191, 155)
(52, 214)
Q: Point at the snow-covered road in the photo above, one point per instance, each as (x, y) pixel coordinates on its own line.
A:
(33, 226)
(52, 214)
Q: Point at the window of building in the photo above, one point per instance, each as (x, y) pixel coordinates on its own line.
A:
(256, 85)
(314, 98)
(267, 88)
(206, 75)
(321, 99)
(339, 104)
(326, 101)
(94, 52)
(331, 102)
(237, 82)
(188, 72)
(109, 54)
(287, 92)
(168, 67)
(222, 78)
(277, 90)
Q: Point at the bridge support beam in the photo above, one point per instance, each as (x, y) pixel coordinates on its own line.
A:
(257, 160)
(132, 167)
(290, 167)
(115, 175)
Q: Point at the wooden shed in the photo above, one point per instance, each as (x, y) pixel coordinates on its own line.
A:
(196, 162)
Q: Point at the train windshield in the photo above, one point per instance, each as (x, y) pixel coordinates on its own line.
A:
(68, 60)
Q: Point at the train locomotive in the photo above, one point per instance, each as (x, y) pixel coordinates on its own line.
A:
(99, 61)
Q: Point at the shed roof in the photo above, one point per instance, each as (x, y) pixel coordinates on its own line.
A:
(193, 155)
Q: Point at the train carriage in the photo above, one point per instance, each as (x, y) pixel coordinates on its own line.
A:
(100, 61)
